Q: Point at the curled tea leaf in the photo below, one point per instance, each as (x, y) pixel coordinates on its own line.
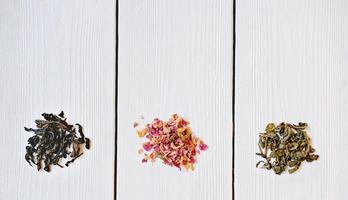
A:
(292, 170)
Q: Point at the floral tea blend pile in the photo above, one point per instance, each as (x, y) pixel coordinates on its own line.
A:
(171, 141)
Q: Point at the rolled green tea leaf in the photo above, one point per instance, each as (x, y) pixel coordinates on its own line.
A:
(285, 146)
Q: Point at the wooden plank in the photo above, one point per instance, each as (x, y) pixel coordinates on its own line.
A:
(176, 57)
(292, 66)
(57, 55)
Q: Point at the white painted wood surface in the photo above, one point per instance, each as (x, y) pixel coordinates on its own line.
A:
(292, 66)
(57, 55)
(176, 57)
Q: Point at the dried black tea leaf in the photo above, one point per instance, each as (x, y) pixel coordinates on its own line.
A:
(285, 146)
(54, 140)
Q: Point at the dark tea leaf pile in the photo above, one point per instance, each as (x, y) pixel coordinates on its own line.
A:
(285, 146)
(53, 140)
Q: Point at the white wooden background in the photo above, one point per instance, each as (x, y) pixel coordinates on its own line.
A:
(57, 55)
(175, 57)
(292, 65)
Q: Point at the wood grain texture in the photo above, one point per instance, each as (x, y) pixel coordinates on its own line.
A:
(292, 66)
(176, 57)
(57, 55)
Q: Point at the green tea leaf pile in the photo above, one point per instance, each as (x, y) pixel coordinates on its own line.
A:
(54, 140)
(285, 146)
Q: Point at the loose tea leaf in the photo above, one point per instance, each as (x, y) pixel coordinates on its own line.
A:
(53, 140)
(171, 141)
(285, 146)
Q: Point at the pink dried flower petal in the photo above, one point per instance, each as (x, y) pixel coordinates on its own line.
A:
(157, 148)
(203, 146)
(147, 146)
(193, 160)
